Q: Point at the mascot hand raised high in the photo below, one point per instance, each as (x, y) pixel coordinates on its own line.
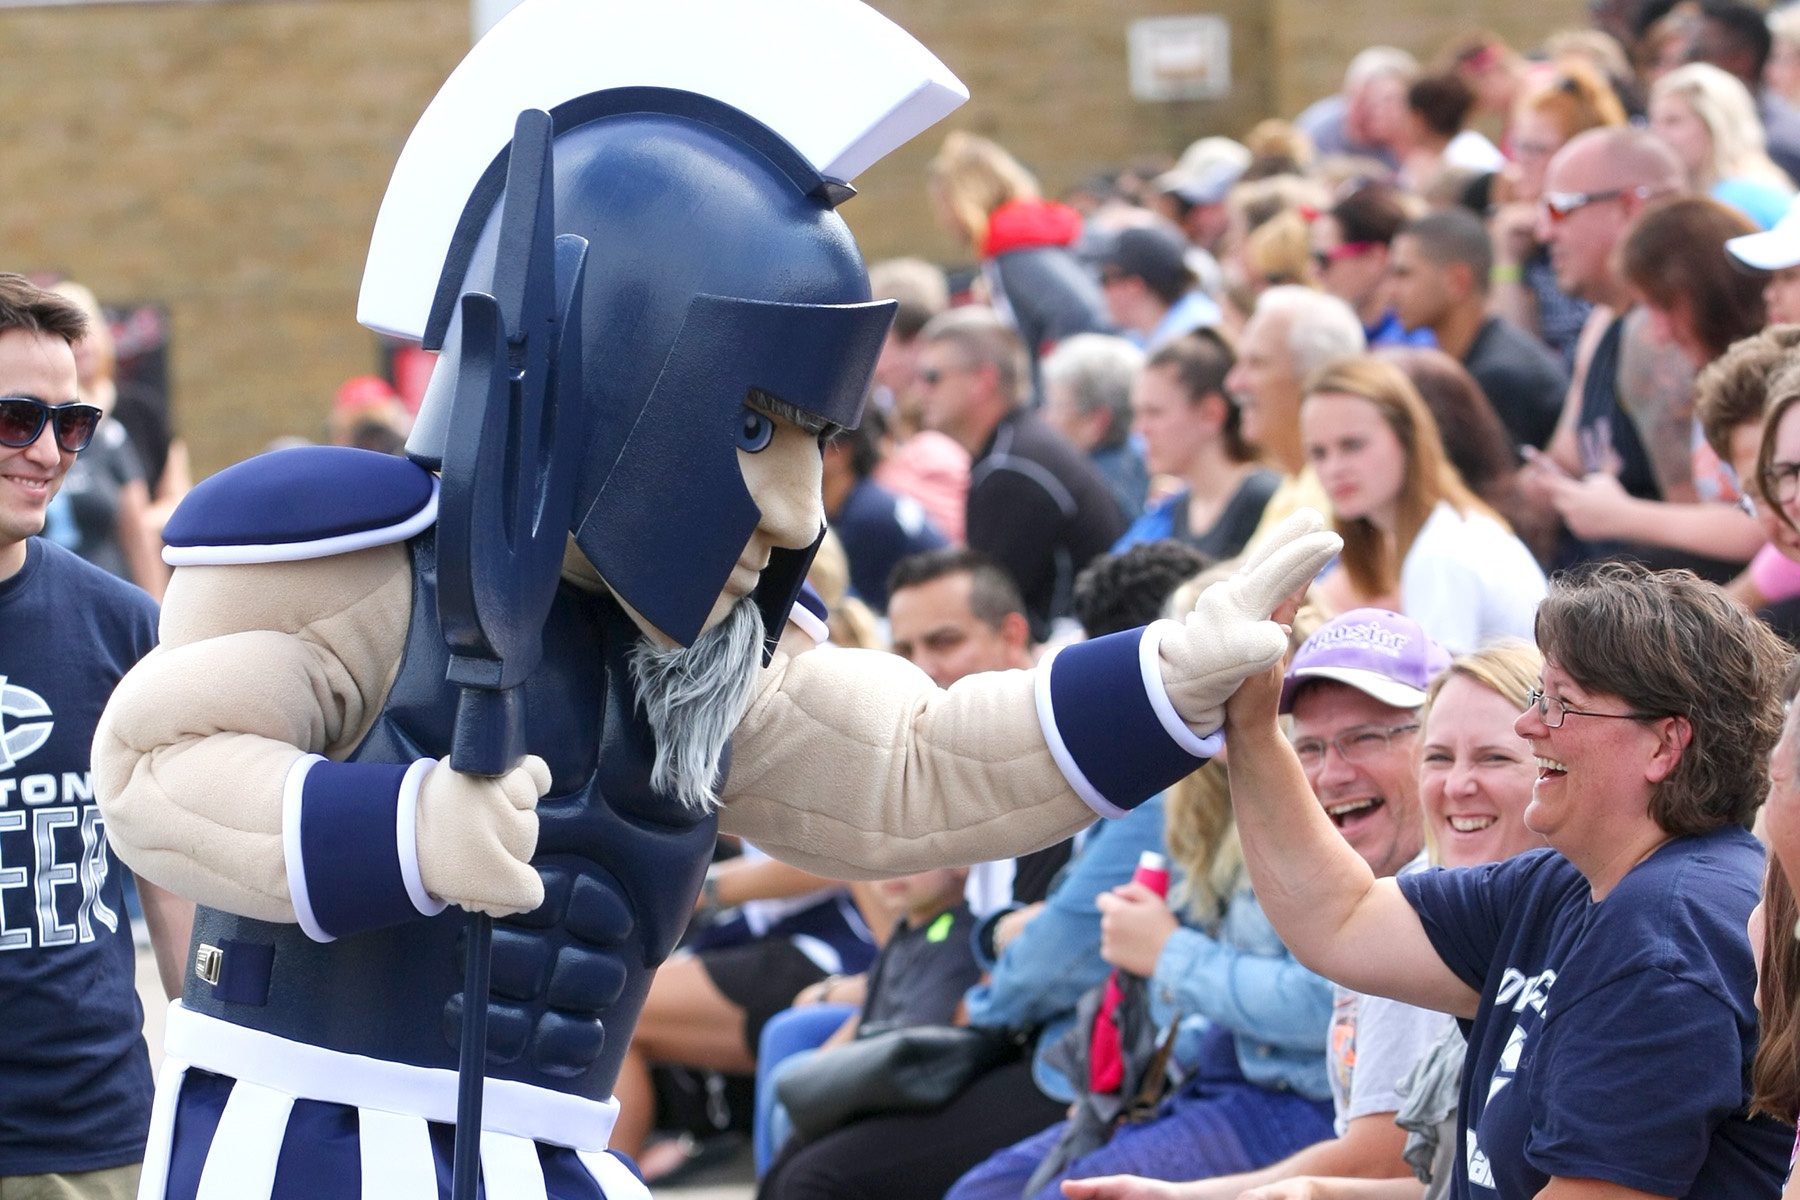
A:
(534, 668)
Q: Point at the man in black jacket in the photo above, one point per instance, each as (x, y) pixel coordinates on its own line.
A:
(1036, 504)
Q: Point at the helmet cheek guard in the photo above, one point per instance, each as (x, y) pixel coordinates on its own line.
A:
(678, 471)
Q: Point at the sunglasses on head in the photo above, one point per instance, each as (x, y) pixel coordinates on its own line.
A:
(22, 420)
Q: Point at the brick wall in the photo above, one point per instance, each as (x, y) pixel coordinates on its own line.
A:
(227, 158)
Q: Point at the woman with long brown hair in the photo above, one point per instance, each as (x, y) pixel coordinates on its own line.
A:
(1416, 539)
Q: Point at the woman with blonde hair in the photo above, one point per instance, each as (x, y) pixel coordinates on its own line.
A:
(987, 198)
(1416, 539)
(1709, 119)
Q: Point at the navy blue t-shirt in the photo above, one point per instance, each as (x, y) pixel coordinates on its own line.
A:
(74, 1073)
(1613, 1040)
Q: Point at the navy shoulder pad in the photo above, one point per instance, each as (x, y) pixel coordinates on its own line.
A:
(304, 502)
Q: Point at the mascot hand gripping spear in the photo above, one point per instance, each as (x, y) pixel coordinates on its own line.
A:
(542, 697)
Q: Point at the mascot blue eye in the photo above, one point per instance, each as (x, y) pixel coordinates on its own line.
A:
(755, 430)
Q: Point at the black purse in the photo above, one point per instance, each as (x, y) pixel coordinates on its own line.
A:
(909, 1069)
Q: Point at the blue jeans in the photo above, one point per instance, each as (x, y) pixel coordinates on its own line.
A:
(790, 1035)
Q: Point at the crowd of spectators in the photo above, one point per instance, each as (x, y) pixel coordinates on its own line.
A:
(1513, 319)
(1522, 322)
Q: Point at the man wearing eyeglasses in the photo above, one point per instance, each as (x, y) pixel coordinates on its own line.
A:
(75, 1081)
(1354, 691)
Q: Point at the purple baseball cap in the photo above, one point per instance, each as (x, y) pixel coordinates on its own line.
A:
(1379, 653)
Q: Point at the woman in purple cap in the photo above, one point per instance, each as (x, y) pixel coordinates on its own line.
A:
(1607, 981)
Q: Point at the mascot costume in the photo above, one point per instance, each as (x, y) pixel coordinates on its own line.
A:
(531, 670)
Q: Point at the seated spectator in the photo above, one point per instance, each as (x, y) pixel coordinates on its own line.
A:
(1278, 148)
(1777, 468)
(781, 929)
(1775, 1074)
(1440, 267)
(1040, 959)
(1354, 690)
(1415, 538)
(918, 978)
(1363, 120)
(1277, 252)
(1781, 73)
(1251, 1047)
(876, 527)
(1475, 779)
(956, 613)
(366, 398)
(1495, 74)
(1152, 293)
(848, 620)
(1735, 36)
(1192, 195)
(916, 462)
(1730, 398)
(1087, 399)
(1350, 252)
(986, 197)
(1293, 332)
(1776, 251)
(1036, 504)
(1525, 290)
(1477, 443)
(1709, 119)
(1606, 981)
(1674, 257)
(1630, 417)
(1437, 109)
(1194, 434)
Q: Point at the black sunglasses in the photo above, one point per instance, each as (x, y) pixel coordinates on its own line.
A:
(22, 420)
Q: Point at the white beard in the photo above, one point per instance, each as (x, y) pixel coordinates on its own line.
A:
(694, 698)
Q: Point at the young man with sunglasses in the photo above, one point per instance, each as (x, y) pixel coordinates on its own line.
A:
(75, 1081)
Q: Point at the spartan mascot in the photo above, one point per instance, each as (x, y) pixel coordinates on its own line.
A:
(534, 668)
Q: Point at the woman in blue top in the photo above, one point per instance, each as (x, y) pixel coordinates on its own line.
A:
(1253, 1022)
(1709, 119)
(1190, 431)
(1608, 979)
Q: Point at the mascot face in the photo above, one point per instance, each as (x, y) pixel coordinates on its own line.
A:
(782, 475)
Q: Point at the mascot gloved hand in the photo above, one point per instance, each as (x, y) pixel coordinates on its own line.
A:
(477, 834)
(1228, 636)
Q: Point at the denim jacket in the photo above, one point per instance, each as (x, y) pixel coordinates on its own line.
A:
(1044, 971)
(1242, 978)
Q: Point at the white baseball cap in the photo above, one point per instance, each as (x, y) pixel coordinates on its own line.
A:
(1773, 249)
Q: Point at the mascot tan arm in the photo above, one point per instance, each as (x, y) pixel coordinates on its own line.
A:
(849, 762)
(258, 667)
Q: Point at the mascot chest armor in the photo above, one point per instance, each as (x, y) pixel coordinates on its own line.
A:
(620, 865)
